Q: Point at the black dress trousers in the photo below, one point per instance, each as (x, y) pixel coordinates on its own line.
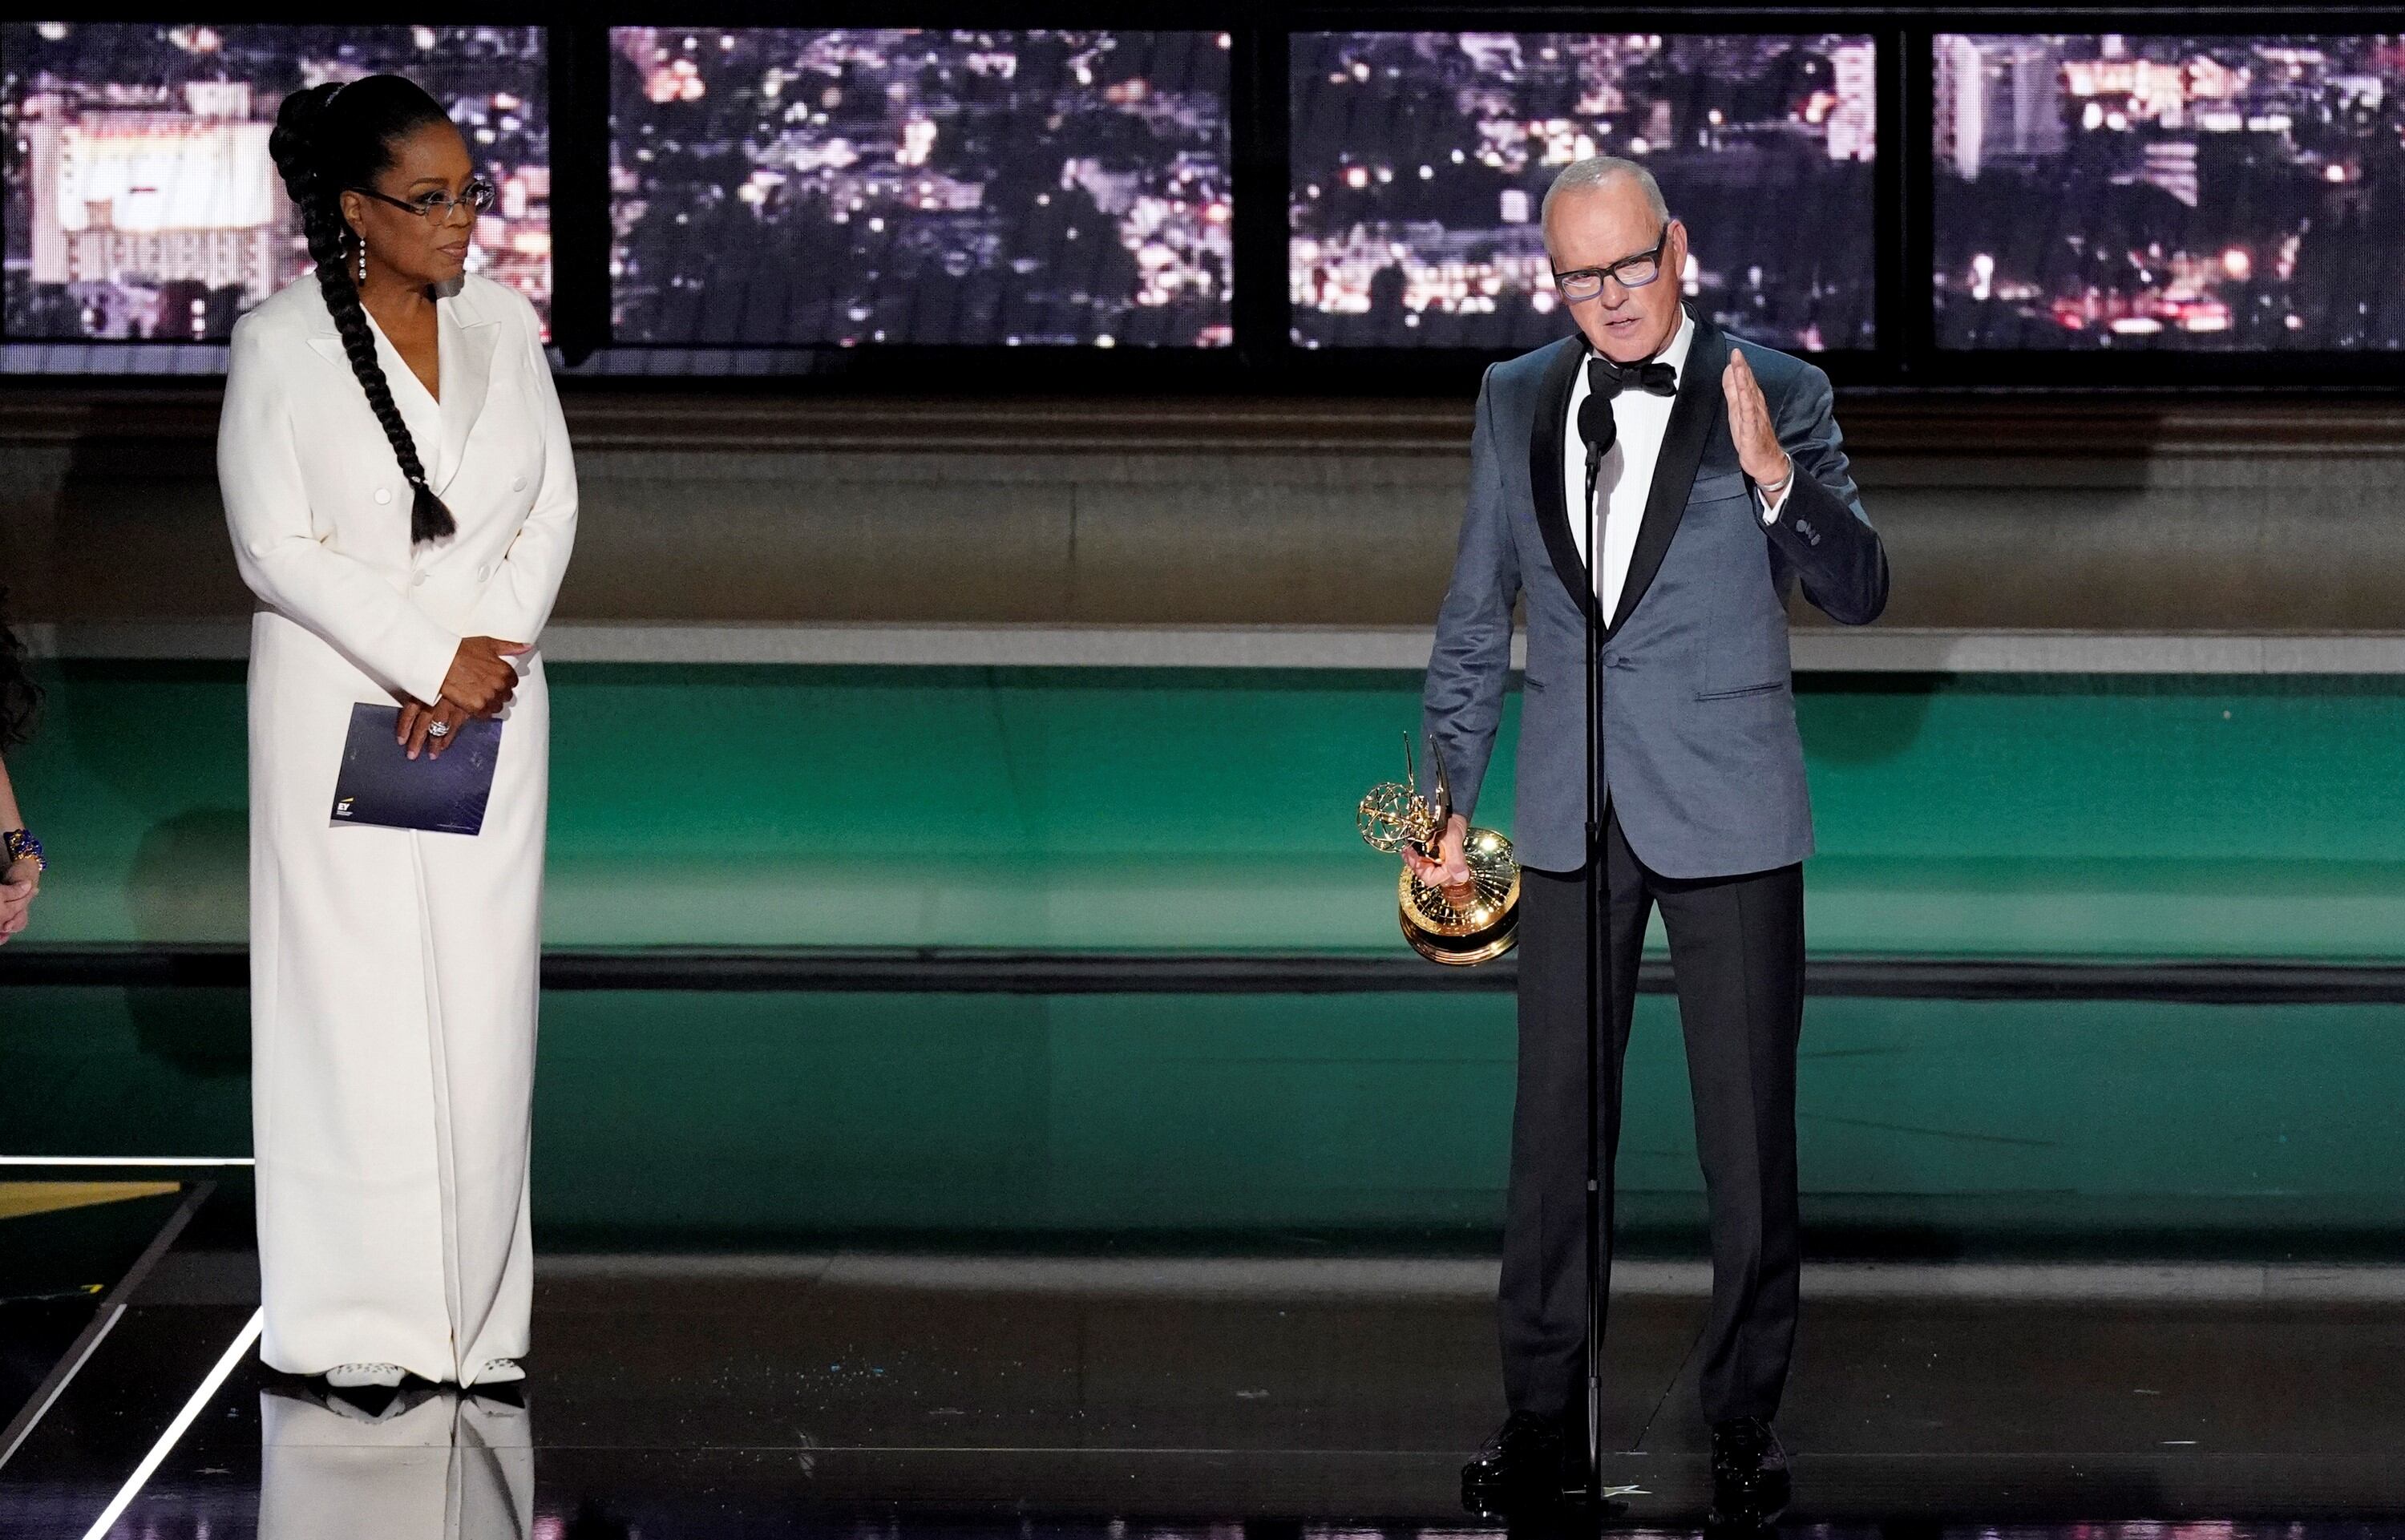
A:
(1737, 946)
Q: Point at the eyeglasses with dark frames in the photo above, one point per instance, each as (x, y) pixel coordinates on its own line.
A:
(476, 197)
(1583, 284)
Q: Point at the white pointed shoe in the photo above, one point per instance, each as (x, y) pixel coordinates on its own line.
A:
(353, 1377)
(501, 1371)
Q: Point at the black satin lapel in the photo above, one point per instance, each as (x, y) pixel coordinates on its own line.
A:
(1692, 417)
(1545, 448)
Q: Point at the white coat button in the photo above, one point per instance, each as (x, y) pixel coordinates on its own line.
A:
(518, 484)
(383, 494)
(417, 580)
(484, 571)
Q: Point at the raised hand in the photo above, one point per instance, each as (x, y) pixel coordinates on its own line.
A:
(1750, 425)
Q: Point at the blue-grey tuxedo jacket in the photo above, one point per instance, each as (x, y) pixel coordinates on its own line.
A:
(1699, 753)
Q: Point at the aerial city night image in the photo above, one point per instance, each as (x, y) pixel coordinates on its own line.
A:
(810, 189)
(2198, 193)
(800, 188)
(140, 201)
(1420, 160)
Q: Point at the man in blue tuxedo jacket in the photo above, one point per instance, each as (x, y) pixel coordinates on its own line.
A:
(1720, 487)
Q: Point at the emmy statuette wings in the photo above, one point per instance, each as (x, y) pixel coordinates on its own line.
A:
(1486, 923)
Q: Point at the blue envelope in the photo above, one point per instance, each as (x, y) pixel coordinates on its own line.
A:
(380, 783)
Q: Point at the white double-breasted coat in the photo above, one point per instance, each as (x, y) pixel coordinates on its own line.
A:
(393, 972)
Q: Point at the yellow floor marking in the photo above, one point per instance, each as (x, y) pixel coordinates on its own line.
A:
(20, 1198)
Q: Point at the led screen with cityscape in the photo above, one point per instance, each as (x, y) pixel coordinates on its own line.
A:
(2200, 193)
(140, 201)
(813, 189)
(1420, 161)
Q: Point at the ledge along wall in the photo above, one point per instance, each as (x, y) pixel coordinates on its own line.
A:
(2000, 515)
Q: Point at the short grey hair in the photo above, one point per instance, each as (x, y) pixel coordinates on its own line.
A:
(1598, 171)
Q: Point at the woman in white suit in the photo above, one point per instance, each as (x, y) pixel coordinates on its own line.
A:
(397, 478)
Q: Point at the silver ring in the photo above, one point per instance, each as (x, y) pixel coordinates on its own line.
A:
(438, 729)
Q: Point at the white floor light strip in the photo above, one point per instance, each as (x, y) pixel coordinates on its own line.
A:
(167, 1441)
(126, 1160)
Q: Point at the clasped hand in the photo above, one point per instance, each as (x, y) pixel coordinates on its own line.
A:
(18, 885)
(1449, 873)
(480, 684)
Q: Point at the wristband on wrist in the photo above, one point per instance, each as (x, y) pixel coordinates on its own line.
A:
(19, 845)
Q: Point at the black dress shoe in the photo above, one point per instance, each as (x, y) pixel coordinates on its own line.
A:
(1521, 1464)
(1750, 1484)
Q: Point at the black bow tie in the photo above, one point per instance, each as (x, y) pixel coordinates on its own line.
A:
(1608, 379)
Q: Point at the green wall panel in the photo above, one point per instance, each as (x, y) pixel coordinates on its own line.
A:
(746, 1119)
(1183, 809)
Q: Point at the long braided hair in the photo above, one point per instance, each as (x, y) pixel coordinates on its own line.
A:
(328, 138)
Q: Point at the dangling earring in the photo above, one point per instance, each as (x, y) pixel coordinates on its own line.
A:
(363, 260)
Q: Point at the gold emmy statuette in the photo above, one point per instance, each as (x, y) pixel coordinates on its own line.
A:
(1487, 924)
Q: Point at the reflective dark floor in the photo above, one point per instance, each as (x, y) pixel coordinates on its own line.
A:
(1266, 1398)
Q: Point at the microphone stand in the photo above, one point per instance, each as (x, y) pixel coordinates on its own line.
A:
(1598, 428)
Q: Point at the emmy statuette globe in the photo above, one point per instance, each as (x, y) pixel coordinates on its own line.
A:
(1472, 925)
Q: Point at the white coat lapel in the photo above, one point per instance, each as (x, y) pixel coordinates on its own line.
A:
(466, 365)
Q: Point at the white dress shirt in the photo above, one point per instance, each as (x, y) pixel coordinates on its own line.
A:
(1627, 475)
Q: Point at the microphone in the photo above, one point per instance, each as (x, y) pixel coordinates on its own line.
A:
(1597, 426)
(1600, 428)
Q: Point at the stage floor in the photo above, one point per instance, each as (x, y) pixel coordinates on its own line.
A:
(1288, 1395)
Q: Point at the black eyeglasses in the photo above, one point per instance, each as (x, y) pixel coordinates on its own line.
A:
(1585, 283)
(476, 197)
